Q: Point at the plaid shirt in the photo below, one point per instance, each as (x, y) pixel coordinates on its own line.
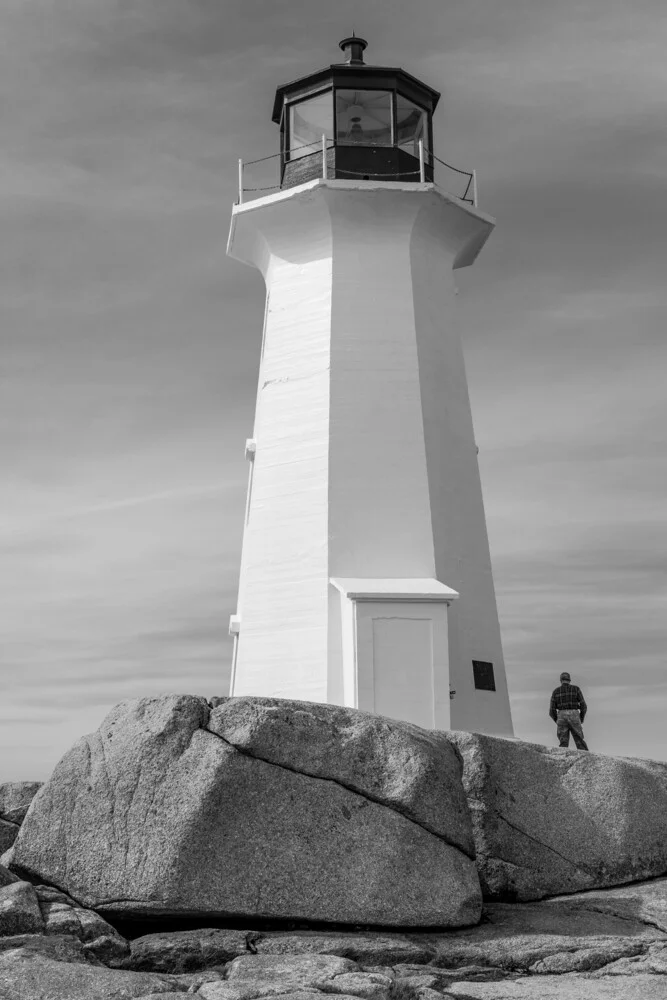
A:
(567, 697)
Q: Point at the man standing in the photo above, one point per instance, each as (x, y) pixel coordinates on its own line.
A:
(568, 709)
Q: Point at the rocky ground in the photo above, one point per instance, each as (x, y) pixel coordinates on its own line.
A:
(609, 943)
(170, 850)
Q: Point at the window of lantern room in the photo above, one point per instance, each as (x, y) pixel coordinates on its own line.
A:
(363, 117)
(309, 120)
(411, 125)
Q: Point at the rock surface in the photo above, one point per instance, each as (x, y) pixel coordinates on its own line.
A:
(601, 945)
(295, 971)
(548, 820)
(19, 910)
(643, 902)
(6, 857)
(368, 949)
(527, 938)
(8, 834)
(15, 799)
(7, 876)
(155, 813)
(183, 951)
(62, 916)
(49, 968)
(568, 987)
(227, 991)
(396, 764)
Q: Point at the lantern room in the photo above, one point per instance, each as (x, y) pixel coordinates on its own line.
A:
(369, 122)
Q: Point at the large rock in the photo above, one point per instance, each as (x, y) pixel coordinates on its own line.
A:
(549, 821)
(403, 767)
(185, 951)
(156, 813)
(63, 917)
(15, 799)
(19, 910)
(46, 968)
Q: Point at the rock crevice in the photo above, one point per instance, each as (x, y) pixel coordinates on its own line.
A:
(413, 771)
(548, 821)
(541, 844)
(160, 812)
(355, 789)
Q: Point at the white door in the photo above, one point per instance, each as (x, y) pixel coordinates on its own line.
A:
(402, 663)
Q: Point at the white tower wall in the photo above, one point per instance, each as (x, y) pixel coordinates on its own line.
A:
(462, 556)
(365, 466)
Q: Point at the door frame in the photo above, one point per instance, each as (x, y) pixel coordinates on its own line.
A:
(365, 600)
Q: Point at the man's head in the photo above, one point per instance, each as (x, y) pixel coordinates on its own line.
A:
(565, 677)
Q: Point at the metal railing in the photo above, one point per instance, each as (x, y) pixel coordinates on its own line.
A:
(258, 177)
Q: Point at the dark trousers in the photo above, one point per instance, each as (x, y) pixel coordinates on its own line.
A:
(569, 721)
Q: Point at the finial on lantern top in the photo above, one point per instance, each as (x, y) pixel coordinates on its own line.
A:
(353, 48)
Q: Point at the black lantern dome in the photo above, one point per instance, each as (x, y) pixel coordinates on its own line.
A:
(374, 120)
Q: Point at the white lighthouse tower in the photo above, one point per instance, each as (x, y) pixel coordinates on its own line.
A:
(365, 574)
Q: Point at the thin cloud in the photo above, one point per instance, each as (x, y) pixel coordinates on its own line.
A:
(147, 498)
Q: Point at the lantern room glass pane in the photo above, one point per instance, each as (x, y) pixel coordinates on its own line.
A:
(411, 125)
(364, 117)
(308, 121)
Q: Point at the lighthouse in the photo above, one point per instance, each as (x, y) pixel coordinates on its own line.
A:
(365, 576)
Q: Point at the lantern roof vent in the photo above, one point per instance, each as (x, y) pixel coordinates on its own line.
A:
(353, 48)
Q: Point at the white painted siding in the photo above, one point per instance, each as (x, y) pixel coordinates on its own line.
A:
(283, 599)
(379, 507)
(461, 543)
(365, 462)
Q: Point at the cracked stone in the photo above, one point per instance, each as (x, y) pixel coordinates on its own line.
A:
(403, 767)
(586, 959)
(516, 938)
(548, 821)
(183, 951)
(639, 902)
(367, 948)
(56, 967)
(15, 799)
(654, 961)
(63, 917)
(154, 814)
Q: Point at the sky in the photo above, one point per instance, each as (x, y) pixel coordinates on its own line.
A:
(129, 342)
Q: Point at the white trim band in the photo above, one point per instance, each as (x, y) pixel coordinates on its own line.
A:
(391, 589)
